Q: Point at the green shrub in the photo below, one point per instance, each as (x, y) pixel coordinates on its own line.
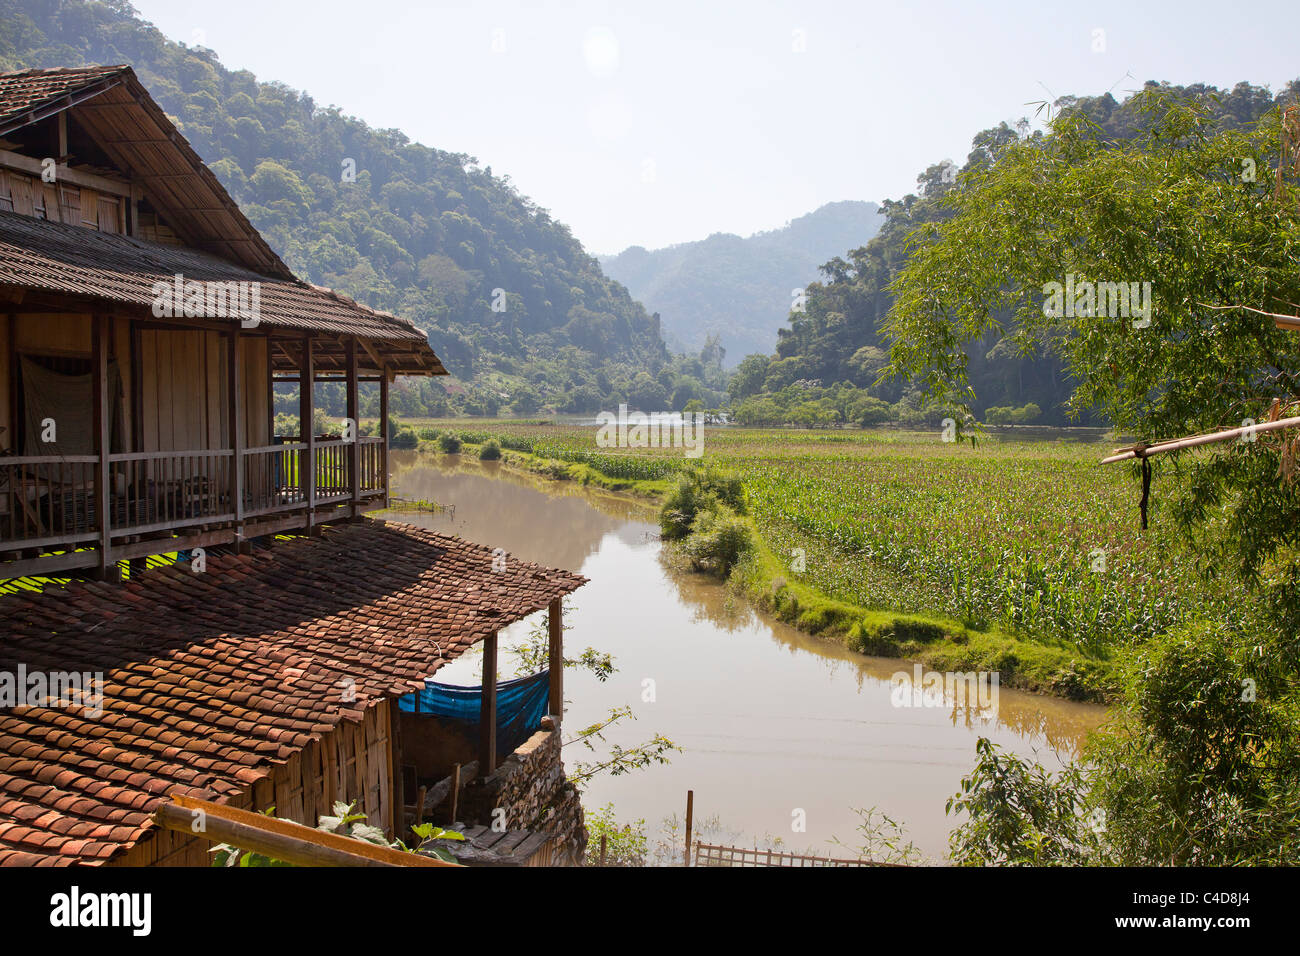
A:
(490, 450)
(697, 490)
(718, 539)
(405, 438)
(449, 442)
(429, 434)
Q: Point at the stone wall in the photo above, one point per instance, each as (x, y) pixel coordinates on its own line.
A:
(531, 787)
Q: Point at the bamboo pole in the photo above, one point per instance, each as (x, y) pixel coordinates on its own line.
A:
(281, 839)
(1146, 451)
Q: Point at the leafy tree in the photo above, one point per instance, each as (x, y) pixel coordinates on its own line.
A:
(1200, 766)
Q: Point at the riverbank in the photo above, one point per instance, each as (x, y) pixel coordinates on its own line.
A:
(769, 717)
(938, 643)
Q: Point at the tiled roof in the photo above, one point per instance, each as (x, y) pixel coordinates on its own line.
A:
(208, 677)
(39, 254)
(28, 89)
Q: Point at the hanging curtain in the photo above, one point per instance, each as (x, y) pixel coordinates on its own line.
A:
(69, 400)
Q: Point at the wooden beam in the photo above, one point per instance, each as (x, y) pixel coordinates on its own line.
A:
(487, 715)
(137, 386)
(307, 411)
(379, 362)
(234, 385)
(383, 428)
(270, 395)
(101, 326)
(279, 839)
(11, 348)
(354, 413)
(555, 658)
(65, 174)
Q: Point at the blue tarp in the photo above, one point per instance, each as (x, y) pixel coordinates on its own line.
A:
(521, 705)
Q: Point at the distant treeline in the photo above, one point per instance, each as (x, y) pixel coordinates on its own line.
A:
(829, 360)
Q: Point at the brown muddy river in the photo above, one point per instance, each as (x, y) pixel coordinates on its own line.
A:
(777, 727)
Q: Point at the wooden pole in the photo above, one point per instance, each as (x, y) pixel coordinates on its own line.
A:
(354, 408)
(234, 385)
(307, 412)
(487, 715)
(280, 839)
(454, 806)
(383, 425)
(690, 821)
(555, 659)
(603, 840)
(100, 328)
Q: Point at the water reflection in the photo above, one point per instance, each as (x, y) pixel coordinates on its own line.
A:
(772, 720)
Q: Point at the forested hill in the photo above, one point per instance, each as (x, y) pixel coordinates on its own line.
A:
(829, 357)
(740, 290)
(423, 233)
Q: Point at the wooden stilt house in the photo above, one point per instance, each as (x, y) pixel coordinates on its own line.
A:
(144, 324)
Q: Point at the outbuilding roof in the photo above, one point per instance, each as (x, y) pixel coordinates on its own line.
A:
(211, 678)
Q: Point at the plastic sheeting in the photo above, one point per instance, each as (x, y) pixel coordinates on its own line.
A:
(521, 705)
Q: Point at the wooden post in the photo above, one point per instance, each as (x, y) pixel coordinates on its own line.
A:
(454, 806)
(101, 326)
(383, 425)
(307, 412)
(690, 821)
(555, 659)
(487, 715)
(270, 393)
(603, 842)
(354, 409)
(234, 385)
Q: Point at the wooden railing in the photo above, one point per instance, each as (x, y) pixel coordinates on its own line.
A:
(161, 490)
(373, 465)
(271, 478)
(48, 501)
(333, 470)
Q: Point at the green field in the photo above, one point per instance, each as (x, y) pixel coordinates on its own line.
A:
(1031, 539)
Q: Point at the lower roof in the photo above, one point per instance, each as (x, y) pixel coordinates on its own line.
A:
(209, 678)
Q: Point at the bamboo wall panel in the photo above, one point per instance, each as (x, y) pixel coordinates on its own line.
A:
(59, 202)
(24, 198)
(89, 208)
(184, 386)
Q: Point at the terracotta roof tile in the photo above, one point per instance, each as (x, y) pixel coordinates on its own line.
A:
(28, 89)
(211, 678)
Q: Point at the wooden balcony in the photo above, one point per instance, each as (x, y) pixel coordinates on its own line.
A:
(61, 514)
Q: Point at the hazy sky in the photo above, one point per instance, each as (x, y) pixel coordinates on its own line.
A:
(656, 123)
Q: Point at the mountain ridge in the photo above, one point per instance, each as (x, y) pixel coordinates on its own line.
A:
(740, 288)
